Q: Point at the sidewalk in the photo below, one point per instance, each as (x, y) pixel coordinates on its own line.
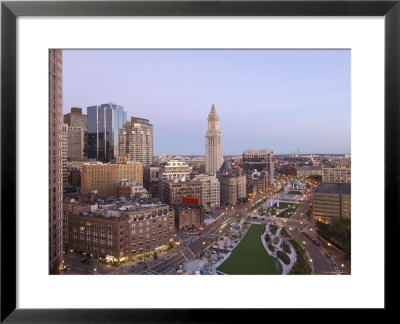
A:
(286, 267)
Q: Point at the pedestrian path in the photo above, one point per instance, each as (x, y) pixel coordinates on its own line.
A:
(277, 247)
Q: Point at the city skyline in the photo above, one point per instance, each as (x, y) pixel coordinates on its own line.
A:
(126, 212)
(265, 98)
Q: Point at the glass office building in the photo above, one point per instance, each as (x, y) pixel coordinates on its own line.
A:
(103, 124)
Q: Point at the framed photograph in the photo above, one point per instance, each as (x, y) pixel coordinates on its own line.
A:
(191, 153)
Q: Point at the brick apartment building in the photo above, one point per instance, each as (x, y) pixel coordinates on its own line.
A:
(120, 232)
(175, 190)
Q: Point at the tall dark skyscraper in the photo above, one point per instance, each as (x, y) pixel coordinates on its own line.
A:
(103, 123)
(55, 162)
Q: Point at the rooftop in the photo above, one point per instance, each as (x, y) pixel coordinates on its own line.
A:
(305, 168)
(258, 152)
(334, 188)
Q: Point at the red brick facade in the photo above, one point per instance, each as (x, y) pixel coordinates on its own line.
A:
(127, 234)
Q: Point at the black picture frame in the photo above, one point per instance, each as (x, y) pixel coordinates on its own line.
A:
(10, 10)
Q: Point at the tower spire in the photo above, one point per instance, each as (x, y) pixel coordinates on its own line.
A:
(213, 110)
(213, 143)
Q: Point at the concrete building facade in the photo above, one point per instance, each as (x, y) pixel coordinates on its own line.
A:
(74, 143)
(304, 171)
(130, 189)
(332, 201)
(150, 179)
(214, 157)
(174, 191)
(210, 190)
(76, 119)
(104, 177)
(64, 152)
(136, 140)
(174, 169)
(339, 174)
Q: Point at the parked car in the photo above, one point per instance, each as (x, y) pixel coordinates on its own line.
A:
(87, 261)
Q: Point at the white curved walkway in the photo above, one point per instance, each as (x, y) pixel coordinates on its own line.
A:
(277, 247)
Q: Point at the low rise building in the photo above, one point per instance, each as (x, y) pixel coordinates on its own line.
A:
(130, 189)
(332, 201)
(189, 216)
(71, 206)
(210, 190)
(121, 230)
(304, 171)
(232, 184)
(172, 170)
(104, 177)
(175, 191)
(150, 179)
(339, 174)
(258, 182)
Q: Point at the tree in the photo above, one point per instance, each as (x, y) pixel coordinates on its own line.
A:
(315, 177)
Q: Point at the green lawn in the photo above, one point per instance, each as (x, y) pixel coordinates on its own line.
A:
(250, 256)
(283, 205)
(294, 192)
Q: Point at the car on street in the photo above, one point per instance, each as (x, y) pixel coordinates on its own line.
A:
(87, 261)
(68, 267)
(213, 261)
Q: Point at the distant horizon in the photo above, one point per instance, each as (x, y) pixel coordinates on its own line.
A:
(282, 100)
(224, 155)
